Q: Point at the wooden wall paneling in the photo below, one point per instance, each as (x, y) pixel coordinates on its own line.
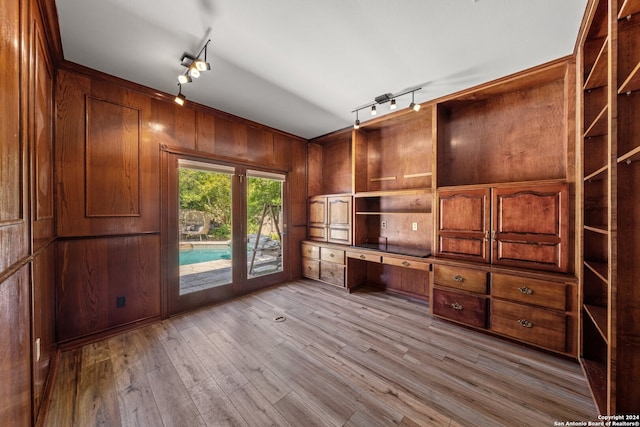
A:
(94, 273)
(100, 147)
(314, 165)
(15, 351)
(205, 132)
(112, 159)
(230, 138)
(282, 156)
(359, 168)
(172, 125)
(336, 165)
(41, 134)
(44, 329)
(297, 179)
(260, 146)
(513, 132)
(14, 230)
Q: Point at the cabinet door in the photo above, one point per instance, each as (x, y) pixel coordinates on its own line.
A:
(530, 227)
(463, 224)
(317, 225)
(339, 219)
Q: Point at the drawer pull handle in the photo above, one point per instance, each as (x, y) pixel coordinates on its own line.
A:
(331, 255)
(362, 256)
(406, 263)
(525, 323)
(456, 306)
(525, 290)
(458, 278)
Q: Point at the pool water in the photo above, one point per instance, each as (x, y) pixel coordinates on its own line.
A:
(196, 255)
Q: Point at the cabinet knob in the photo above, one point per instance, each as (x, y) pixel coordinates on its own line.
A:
(456, 306)
(331, 255)
(458, 278)
(362, 256)
(406, 263)
(525, 290)
(525, 323)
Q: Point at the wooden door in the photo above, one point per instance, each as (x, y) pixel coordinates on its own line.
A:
(339, 219)
(530, 226)
(463, 224)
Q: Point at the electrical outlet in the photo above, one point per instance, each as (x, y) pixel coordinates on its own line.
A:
(383, 224)
(414, 226)
(121, 301)
(37, 349)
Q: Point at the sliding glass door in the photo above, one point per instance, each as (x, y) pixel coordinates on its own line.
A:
(224, 231)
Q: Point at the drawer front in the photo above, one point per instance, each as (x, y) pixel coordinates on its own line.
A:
(534, 325)
(318, 233)
(310, 251)
(464, 308)
(406, 263)
(332, 273)
(332, 255)
(364, 256)
(461, 278)
(530, 291)
(311, 268)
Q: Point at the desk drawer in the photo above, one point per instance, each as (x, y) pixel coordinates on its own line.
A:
(310, 251)
(534, 325)
(461, 278)
(364, 256)
(332, 255)
(332, 273)
(464, 308)
(311, 268)
(529, 291)
(401, 262)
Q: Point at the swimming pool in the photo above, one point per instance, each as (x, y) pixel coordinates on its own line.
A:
(195, 255)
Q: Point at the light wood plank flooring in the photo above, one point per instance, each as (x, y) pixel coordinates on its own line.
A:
(338, 359)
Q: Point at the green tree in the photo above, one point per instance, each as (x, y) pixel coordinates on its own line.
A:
(261, 191)
(209, 193)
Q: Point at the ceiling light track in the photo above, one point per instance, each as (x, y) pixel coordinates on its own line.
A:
(194, 65)
(384, 98)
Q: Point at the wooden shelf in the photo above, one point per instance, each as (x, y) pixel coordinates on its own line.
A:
(598, 75)
(599, 125)
(600, 269)
(629, 7)
(393, 212)
(632, 82)
(631, 156)
(600, 229)
(596, 174)
(408, 192)
(596, 374)
(599, 316)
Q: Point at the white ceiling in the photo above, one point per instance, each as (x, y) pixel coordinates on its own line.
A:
(302, 66)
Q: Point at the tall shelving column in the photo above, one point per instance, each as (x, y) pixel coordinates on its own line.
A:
(597, 56)
(627, 291)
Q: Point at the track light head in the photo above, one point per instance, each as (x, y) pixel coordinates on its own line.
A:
(373, 110)
(184, 78)
(356, 124)
(180, 98)
(201, 65)
(194, 72)
(413, 105)
(393, 105)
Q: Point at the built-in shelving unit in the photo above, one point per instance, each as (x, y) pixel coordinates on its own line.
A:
(610, 65)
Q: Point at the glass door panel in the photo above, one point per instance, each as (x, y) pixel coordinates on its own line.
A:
(204, 226)
(264, 223)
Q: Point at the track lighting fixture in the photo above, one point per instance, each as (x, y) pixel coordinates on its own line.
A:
(180, 98)
(391, 99)
(194, 65)
(413, 105)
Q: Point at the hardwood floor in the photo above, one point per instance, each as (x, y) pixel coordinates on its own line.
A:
(338, 359)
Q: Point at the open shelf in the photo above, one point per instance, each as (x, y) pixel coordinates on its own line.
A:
(599, 317)
(597, 77)
(596, 373)
(629, 7)
(599, 125)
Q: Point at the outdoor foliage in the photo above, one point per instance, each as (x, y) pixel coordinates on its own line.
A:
(210, 193)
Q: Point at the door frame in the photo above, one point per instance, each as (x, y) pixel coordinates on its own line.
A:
(171, 302)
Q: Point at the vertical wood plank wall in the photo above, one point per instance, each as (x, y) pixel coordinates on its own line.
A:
(27, 265)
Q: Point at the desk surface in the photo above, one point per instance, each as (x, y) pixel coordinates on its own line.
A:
(394, 249)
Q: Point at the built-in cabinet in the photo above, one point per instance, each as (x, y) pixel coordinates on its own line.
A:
(609, 59)
(466, 203)
(330, 219)
(522, 225)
